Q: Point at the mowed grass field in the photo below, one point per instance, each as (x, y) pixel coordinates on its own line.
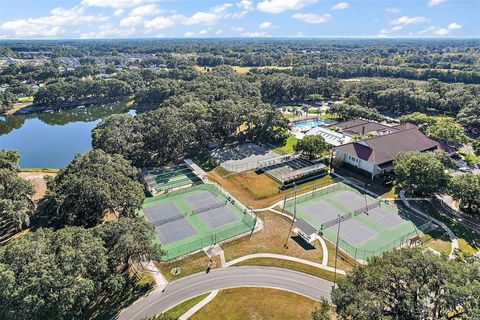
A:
(241, 69)
(256, 304)
(259, 190)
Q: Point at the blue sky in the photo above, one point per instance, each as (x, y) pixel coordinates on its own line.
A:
(238, 18)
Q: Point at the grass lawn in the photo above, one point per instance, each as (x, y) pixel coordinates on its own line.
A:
(197, 262)
(468, 241)
(241, 70)
(271, 240)
(256, 304)
(260, 186)
(183, 307)
(470, 158)
(288, 147)
(275, 67)
(289, 115)
(344, 261)
(279, 263)
(25, 99)
(260, 191)
(438, 240)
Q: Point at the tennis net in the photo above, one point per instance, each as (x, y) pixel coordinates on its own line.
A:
(208, 208)
(168, 220)
(366, 208)
(336, 220)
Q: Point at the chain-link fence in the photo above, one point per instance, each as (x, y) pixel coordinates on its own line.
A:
(249, 221)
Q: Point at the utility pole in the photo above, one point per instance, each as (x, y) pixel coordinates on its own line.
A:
(336, 254)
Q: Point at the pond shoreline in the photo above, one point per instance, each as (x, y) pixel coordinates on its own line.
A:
(35, 108)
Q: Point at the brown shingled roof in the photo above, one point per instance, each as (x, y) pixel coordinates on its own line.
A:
(364, 127)
(385, 148)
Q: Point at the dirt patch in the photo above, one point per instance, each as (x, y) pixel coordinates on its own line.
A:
(37, 179)
(17, 106)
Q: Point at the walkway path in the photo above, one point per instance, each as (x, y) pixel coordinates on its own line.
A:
(162, 299)
(199, 305)
(283, 257)
(451, 235)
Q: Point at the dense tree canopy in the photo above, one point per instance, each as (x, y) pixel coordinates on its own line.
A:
(9, 159)
(466, 189)
(410, 284)
(211, 107)
(66, 92)
(16, 205)
(93, 185)
(420, 173)
(447, 131)
(59, 274)
(348, 112)
(312, 146)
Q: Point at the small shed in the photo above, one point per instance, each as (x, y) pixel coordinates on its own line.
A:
(305, 230)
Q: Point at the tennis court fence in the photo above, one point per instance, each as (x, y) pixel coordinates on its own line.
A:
(364, 254)
(249, 220)
(247, 227)
(315, 193)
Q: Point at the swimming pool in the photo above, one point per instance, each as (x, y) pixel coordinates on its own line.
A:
(309, 124)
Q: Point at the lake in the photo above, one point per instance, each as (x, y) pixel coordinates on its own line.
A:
(51, 139)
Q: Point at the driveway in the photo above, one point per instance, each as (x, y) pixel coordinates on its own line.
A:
(186, 288)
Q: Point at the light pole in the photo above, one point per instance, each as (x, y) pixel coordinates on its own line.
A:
(336, 253)
(365, 194)
(294, 214)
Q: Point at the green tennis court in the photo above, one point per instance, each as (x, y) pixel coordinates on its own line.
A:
(191, 219)
(368, 227)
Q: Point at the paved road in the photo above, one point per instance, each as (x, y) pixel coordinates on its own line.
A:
(234, 277)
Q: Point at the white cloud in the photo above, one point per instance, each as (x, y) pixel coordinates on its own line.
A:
(218, 32)
(279, 6)
(265, 25)
(164, 22)
(50, 26)
(236, 15)
(237, 29)
(341, 6)
(146, 10)
(438, 31)
(189, 34)
(208, 18)
(118, 12)
(433, 3)
(393, 10)
(202, 32)
(245, 5)
(256, 34)
(385, 32)
(116, 4)
(441, 32)
(131, 21)
(312, 18)
(406, 20)
(454, 25)
(221, 8)
(108, 31)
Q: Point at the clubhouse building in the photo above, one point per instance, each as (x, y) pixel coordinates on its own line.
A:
(375, 155)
